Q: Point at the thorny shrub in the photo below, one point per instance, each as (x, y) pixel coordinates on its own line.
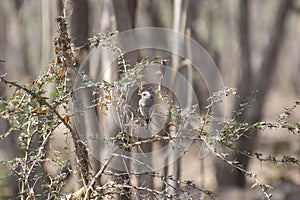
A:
(35, 117)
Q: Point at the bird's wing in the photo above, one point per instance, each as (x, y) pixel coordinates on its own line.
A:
(151, 111)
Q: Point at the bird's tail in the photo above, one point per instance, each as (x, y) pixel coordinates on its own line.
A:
(147, 124)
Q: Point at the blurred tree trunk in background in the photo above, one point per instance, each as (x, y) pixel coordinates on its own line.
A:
(80, 21)
(80, 26)
(8, 146)
(248, 82)
(13, 51)
(193, 15)
(180, 9)
(227, 177)
(125, 15)
(16, 47)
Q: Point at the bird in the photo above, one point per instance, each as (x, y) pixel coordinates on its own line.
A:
(145, 106)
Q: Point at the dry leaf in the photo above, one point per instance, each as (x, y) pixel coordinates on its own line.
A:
(62, 73)
(108, 95)
(101, 106)
(66, 119)
(38, 82)
(39, 110)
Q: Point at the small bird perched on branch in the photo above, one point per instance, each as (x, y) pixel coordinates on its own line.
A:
(145, 106)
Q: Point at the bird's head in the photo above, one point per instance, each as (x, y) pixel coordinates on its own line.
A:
(146, 94)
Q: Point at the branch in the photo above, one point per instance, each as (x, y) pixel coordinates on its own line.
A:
(80, 148)
(237, 165)
(91, 186)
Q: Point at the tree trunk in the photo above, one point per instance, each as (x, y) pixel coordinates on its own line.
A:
(247, 83)
(125, 12)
